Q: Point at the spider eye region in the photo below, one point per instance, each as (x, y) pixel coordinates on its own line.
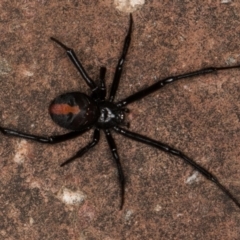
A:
(106, 115)
(74, 111)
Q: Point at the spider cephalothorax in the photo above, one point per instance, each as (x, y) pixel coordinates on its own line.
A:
(110, 115)
(79, 112)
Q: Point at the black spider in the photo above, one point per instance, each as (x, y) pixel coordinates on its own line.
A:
(78, 112)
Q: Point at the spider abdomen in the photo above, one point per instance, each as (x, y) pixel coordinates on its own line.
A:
(74, 111)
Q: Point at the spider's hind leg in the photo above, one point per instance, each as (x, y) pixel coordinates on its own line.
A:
(113, 149)
(168, 149)
(95, 140)
(49, 140)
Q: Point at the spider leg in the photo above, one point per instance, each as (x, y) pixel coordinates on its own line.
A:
(119, 67)
(95, 140)
(168, 149)
(71, 54)
(113, 149)
(102, 91)
(159, 84)
(50, 140)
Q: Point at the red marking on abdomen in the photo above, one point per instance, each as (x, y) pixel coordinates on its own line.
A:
(62, 109)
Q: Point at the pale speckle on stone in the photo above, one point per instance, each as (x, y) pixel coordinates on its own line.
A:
(70, 197)
(128, 5)
(128, 215)
(157, 208)
(226, 1)
(231, 61)
(31, 221)
(4, 67)
(27, 73)
(21, 152)
(193, 178)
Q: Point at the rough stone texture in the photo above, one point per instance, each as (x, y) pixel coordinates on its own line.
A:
(199, 116)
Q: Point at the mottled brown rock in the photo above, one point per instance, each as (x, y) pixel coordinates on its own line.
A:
(198, 116)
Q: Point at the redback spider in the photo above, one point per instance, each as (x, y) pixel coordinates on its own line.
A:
(79, 113)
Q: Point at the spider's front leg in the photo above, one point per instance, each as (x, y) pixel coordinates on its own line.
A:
(159, 84)
(102, 88)
(71, 54)
(119, 67)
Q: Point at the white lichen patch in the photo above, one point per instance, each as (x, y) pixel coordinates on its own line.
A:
(128, 5)
(193, 178)
(21, 152)
(70, 197)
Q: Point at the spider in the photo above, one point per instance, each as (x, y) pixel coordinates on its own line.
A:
(79, 113)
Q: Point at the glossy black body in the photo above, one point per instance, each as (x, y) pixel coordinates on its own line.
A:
(74, 111)
(78, 112)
